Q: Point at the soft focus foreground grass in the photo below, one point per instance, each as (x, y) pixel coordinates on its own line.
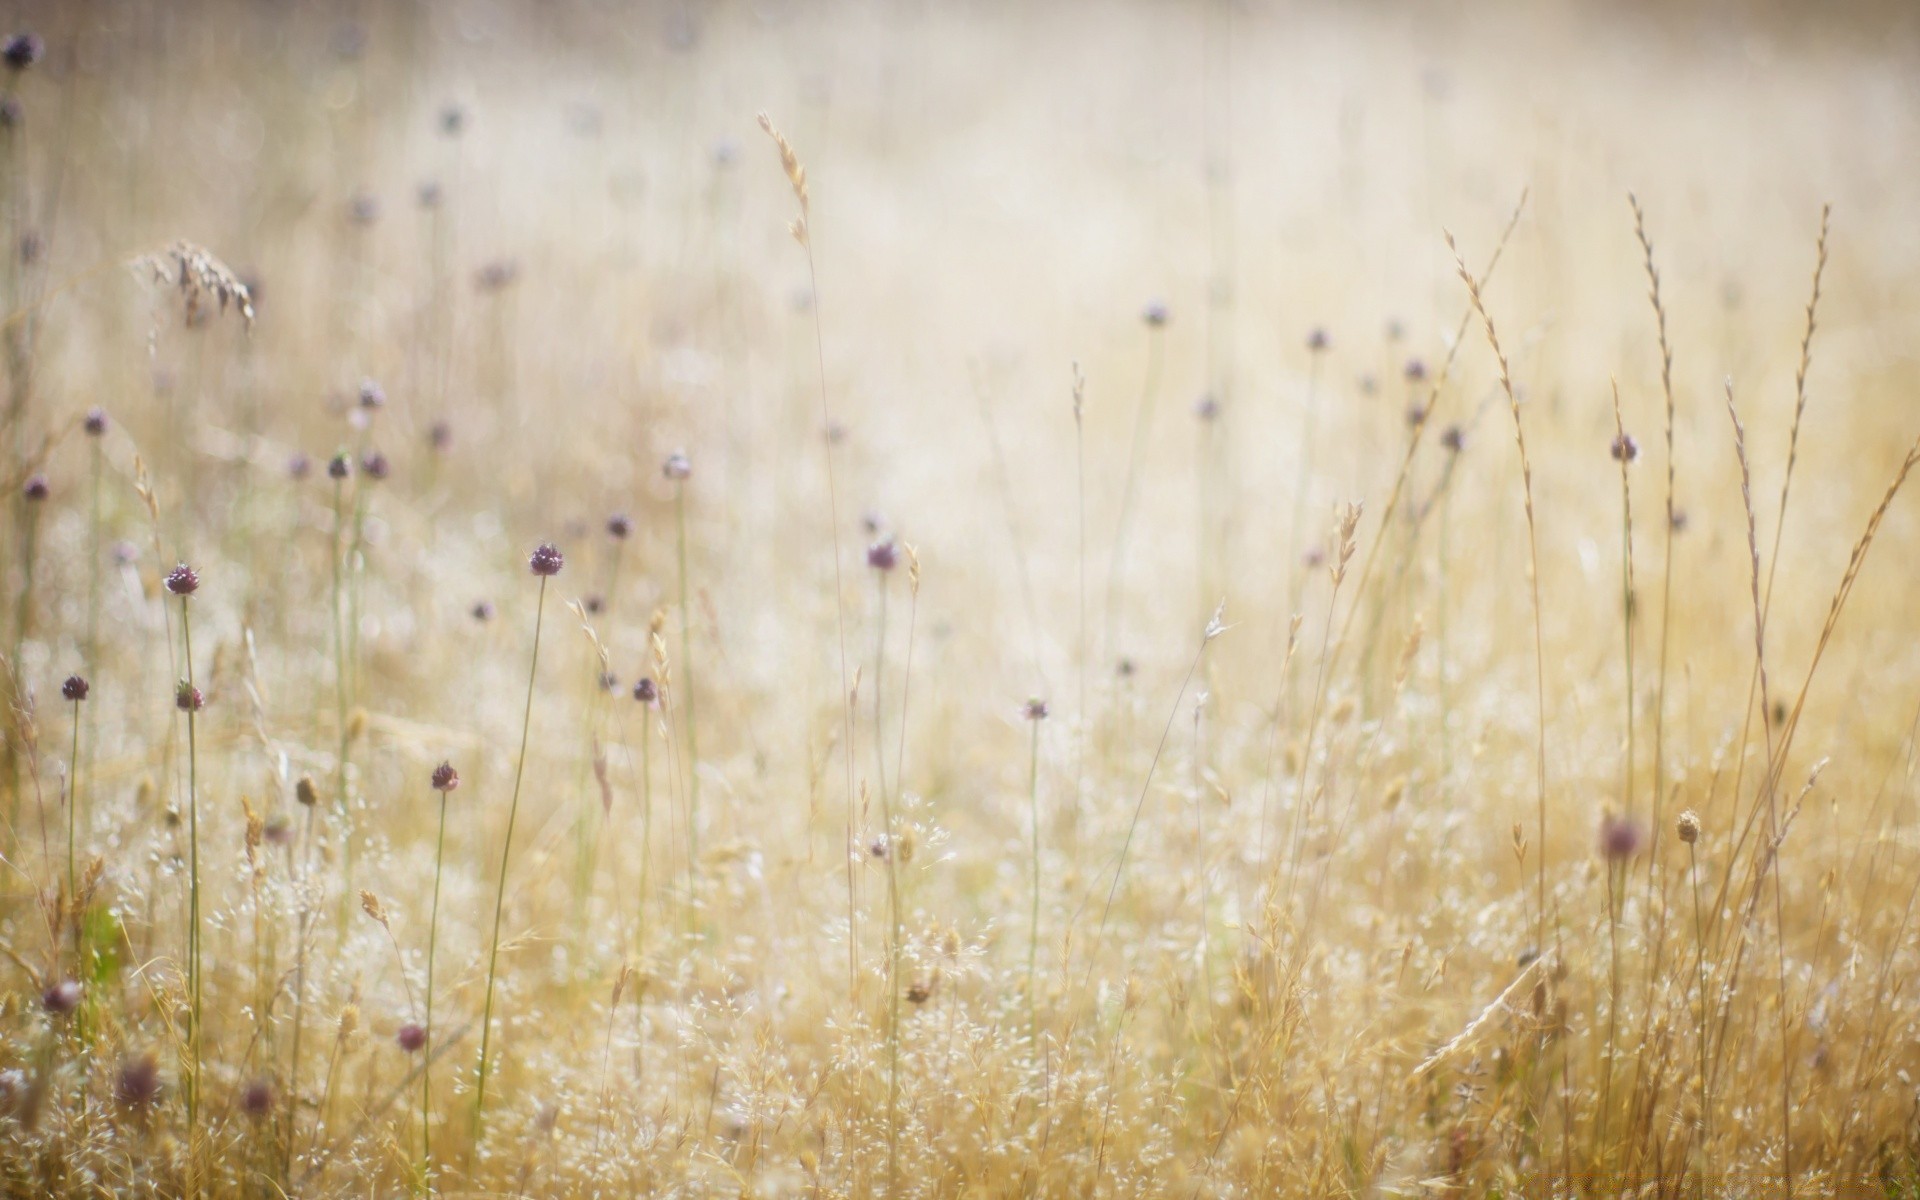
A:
(1321, 967)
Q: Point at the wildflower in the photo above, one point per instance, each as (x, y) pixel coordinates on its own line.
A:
(23, 50)
(375, 465)
(183, 580)
(299, 466)
(75, 688)
(882, 555)
(36, 488)
(1688, 826)
(188, 698)
(96, 421)
(1415, 371)
(257, 1098)
(618, 527)
(1318, 340)
(1624, 448)
(1620, 838)
(445, 778)
(1155, 313)
(411, 1037)
(546, 560)
(1036, 709)
(677, 467)
(482, 610)
(138, 1084)
(645, 691)
(339, 466)
(1454, 439)
(62, 998)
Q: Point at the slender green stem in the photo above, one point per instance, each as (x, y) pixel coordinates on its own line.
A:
(1142, 424)
(340, 695)
(193, 877)
(500, 896)
(686, 666)
(426, 1064)
(1033, 921)
(73, 802)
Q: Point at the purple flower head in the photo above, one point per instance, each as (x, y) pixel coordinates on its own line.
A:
(882, 555)
(74, 689)
(618, 527)
(340, 465)
(645, 691)
(183, 580)
(36, 488)
(62, 998)
(412, 1038)
(1155, 313)
(677, 467)
(445, 778)
(96, 421)
(375, 465)
(546, 560)
(1620, 838)
(138, 1084)
(22, 50)
(257, 1098)
(188, 698)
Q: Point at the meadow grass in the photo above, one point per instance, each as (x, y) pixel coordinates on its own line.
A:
(1519, 805)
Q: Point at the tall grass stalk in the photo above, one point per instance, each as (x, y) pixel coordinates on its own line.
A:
(802, 231)
(686, 668)
(1533, 575)
(1129, 488)
(540, 566)
(445, 779)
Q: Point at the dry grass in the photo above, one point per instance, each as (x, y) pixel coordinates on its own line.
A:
(1521, 824)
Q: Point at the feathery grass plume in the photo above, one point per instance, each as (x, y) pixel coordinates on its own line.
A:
(1533, 571)
(796, 173)
(1768, 794)
(199, 277)
(545, 562)
(1666, 569)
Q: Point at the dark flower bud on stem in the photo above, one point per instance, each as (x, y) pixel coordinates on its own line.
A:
(75, 688)
(183, 580)
(62, 998)
(546, 560)
(445, 778)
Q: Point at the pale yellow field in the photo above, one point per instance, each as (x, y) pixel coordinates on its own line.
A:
(1348, 856)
